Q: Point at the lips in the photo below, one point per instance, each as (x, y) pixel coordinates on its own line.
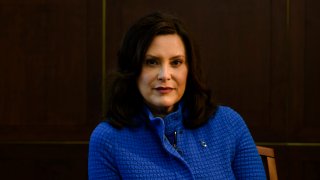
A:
(164, 90)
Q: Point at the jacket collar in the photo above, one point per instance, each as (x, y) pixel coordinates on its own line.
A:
(167, 124)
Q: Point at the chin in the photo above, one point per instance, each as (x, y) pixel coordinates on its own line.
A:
(166, 105)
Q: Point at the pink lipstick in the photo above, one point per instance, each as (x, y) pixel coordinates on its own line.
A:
(164, 90)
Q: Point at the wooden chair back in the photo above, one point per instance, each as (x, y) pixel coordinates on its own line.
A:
(269, 161)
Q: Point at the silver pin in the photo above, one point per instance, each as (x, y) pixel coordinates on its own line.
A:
(203, 144)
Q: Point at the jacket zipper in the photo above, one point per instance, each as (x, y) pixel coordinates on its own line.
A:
(175, 140)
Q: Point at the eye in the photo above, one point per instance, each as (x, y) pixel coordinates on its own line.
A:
(176, 62)
(151, 62)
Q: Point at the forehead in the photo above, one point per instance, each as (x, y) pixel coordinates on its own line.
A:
(170, 44)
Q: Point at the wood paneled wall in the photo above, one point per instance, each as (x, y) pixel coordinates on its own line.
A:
(243, 49)
(50, 69)
(50, 86)
(259, 57)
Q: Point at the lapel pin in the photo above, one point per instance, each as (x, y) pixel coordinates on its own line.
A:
(203, 144)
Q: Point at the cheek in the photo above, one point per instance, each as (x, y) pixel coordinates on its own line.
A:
(183, 77)
(143, 81)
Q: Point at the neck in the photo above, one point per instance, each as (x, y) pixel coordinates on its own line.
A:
(161, 111)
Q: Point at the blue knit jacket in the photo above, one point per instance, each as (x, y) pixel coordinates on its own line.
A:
(221, 149)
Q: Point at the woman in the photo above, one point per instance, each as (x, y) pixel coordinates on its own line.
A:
(161, 122)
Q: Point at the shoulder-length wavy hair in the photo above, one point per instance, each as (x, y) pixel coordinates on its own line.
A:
(124, 100)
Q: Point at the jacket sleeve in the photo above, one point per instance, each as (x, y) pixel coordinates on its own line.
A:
(101, 164)
(247, 163)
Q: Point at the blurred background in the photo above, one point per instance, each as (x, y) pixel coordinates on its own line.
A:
(261, 57)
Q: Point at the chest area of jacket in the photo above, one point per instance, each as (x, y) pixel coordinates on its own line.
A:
(195, 154)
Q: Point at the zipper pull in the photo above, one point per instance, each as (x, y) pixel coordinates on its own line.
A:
(175, 140)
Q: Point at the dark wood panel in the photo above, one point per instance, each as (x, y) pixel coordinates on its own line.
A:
(298, 162)
(258, 59)
(43, 161)
(304, 73)
(50, 68)
(240, 48)
(311, 69)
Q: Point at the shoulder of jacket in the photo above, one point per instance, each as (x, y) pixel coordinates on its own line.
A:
(228, 118)
(227, 113)
(104, 132)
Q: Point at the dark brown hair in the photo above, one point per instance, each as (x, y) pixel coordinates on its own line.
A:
(125, 101)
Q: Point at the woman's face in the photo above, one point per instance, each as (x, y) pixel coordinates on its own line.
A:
(163, 77)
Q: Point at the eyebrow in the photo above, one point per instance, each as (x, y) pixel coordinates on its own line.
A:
(151, 56)
(179, 56)
(156, 57)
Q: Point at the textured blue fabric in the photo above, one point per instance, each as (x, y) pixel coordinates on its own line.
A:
(221, 149)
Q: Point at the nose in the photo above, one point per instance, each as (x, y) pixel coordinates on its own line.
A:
(164, 73)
